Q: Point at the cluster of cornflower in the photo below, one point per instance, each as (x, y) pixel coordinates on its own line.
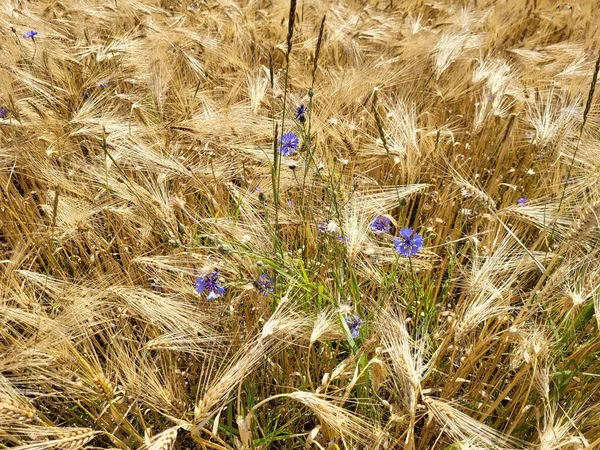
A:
(210, 284)
(408, 244)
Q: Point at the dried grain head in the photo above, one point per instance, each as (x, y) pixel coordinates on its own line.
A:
(341, 423)
(464, 428)
(164, 440)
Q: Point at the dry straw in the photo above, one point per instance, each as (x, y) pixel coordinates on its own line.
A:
(139, 150)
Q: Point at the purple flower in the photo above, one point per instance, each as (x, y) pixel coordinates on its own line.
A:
(522, 201)
(3, 112)
(86, 95)
(343, 239)
(30, 34)
(409, 243)
(322, 226)
(354, 323)
(211, 284)
(288, 144)
(264, 285)
(300, 111)
(381, 225)
(102, 84)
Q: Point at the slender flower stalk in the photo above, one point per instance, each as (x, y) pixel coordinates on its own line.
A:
(277, 162)
(408, 244)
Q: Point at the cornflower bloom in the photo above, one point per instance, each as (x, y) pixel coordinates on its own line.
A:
(30, 34)
(211, 284)
(408, 243)
(264, 285)
(354, 323)
(288, 144)
(300, 111)
(322, 226)
(381, 225)
(3, 112)
(522, 201)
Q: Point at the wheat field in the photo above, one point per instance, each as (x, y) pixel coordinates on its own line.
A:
(252, 224)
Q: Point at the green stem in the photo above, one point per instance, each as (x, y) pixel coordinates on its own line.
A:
(414, 281)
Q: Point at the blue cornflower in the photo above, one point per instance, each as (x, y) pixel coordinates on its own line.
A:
(322, 226)
(102, 84)
(409, 243)
(211, 283)
(300, 111)
(85, 95)
(381, 225)
(30, 34)
(354, 323)
(264, 285)
(3, 112)
(288, 144)
(522, 201)
(343, 239)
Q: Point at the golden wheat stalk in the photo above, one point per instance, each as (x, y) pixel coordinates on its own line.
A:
(462, 427)
(12, 409)
(67, 440)
(165, 440)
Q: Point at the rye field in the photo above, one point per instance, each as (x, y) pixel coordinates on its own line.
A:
(295, 224)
